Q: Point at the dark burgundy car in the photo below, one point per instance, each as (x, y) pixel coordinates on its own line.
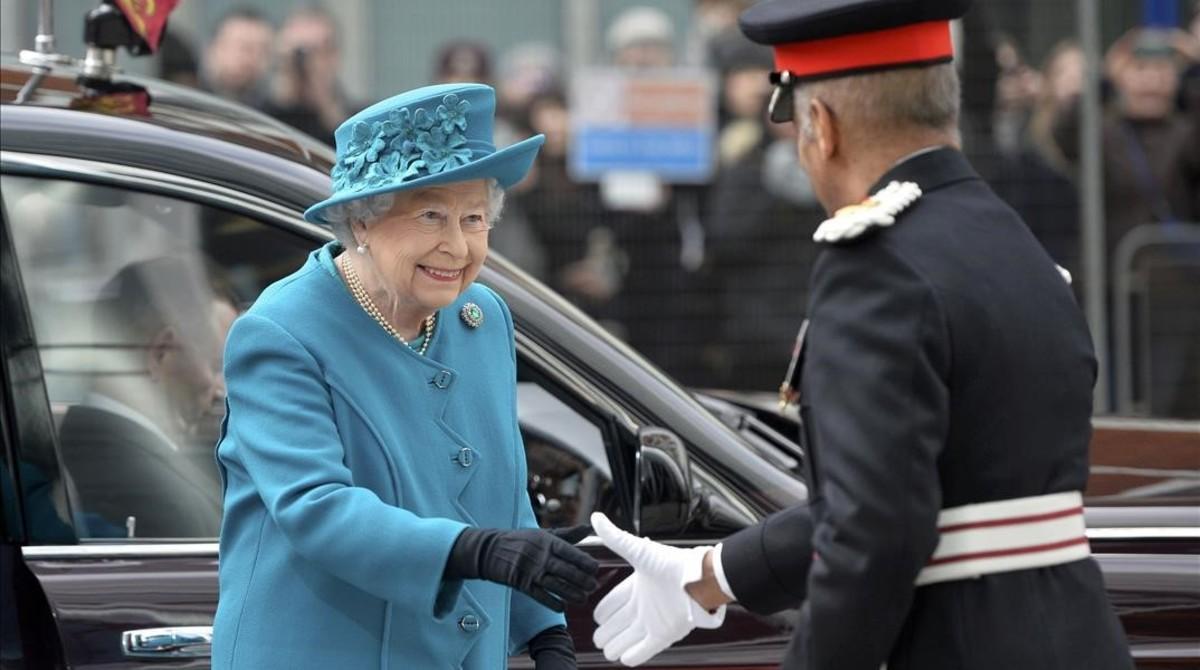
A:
(94, 179)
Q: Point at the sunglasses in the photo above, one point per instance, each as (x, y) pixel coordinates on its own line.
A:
(781, 107)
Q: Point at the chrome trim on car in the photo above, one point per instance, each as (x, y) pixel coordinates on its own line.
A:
(1177, 533)
(1141, 423)
(153, 181)
(168, 643)
(1139, 516)
(167, 549)
(123, 550)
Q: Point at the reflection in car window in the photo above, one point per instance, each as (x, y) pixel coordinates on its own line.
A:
(569, 473)
(131, 296)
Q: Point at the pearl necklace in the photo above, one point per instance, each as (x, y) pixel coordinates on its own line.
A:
(368, 305)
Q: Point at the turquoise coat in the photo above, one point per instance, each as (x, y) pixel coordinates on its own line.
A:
(351, 464)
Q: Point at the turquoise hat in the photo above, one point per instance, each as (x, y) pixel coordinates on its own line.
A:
(425, 137)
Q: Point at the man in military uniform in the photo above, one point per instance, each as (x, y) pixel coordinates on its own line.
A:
(945, 385)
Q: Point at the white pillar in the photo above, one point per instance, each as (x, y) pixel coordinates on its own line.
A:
(354, 17)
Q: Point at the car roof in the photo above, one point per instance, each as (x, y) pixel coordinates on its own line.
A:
(166, 105)
(142, 122)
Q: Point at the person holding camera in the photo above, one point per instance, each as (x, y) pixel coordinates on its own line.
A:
(306, 92)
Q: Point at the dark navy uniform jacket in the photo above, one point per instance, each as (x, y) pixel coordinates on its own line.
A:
(946, 363)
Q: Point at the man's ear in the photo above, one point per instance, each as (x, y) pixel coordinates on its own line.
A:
(157, 351)
(825, 128)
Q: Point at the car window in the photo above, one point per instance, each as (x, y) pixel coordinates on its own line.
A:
(569, 472)
(131, 296)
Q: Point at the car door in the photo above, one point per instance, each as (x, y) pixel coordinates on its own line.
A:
(130, 281)
(31, 506)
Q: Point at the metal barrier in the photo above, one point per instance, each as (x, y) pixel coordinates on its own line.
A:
(1130, 283)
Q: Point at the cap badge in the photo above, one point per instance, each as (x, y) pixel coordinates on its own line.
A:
(878, 210)
(471, 315)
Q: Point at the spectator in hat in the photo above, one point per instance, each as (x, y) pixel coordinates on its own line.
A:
(526, 71)
(1151, 150)
(660, 239)
(641, 37)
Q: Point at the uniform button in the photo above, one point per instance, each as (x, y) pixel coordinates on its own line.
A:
(465, 457)
(469, 623)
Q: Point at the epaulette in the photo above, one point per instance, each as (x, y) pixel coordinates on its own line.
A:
(878, 210)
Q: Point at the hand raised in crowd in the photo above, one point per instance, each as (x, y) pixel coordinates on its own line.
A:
(542, 564)
(650, 610)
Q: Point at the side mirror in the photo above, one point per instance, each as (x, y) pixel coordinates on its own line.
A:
(662, 500)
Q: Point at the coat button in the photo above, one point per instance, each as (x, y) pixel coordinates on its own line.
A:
(442, 379)
(465, 457)
(469, 623)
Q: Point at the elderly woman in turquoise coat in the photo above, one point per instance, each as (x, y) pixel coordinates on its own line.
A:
(375, 506)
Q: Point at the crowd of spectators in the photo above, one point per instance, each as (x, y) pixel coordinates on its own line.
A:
(709, 281)
(290, 73)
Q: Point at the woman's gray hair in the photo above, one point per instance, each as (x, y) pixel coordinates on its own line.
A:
(886, 101)
(342, 217)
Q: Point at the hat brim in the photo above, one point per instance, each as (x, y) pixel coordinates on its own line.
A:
(507, 166)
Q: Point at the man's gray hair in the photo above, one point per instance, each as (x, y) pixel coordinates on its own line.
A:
(367, 210)
(886, 101)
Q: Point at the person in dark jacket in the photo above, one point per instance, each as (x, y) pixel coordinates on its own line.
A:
(135, 471)
(944, 379)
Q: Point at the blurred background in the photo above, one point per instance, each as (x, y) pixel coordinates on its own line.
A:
(664, 204)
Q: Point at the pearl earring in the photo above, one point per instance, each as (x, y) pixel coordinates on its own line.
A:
(362, 249)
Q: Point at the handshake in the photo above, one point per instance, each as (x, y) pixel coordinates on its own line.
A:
(648, 612)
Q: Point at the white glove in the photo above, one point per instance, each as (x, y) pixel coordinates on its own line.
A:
(650, 610)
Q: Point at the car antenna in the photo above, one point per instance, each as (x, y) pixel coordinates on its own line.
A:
(43, 57)
(106, 29)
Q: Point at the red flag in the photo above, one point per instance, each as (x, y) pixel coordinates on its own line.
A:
(148, 17)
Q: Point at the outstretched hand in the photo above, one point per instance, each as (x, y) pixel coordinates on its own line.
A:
(650, 610)
(542, 564)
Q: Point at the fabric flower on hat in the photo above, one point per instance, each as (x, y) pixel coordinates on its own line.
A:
(452, 113)
(399, 146)
(403, 129)
(442, 151)
(391, 167)
(346, 172)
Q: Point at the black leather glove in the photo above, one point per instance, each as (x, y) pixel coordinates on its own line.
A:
(552, 649)
(542, 564)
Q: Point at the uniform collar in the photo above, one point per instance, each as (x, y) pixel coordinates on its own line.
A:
(930, 168)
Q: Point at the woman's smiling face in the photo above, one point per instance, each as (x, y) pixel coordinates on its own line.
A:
(432, 243)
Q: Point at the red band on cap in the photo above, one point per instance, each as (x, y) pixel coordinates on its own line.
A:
(915, 43)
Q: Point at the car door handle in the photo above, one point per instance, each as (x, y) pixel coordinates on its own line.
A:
(175, 642)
